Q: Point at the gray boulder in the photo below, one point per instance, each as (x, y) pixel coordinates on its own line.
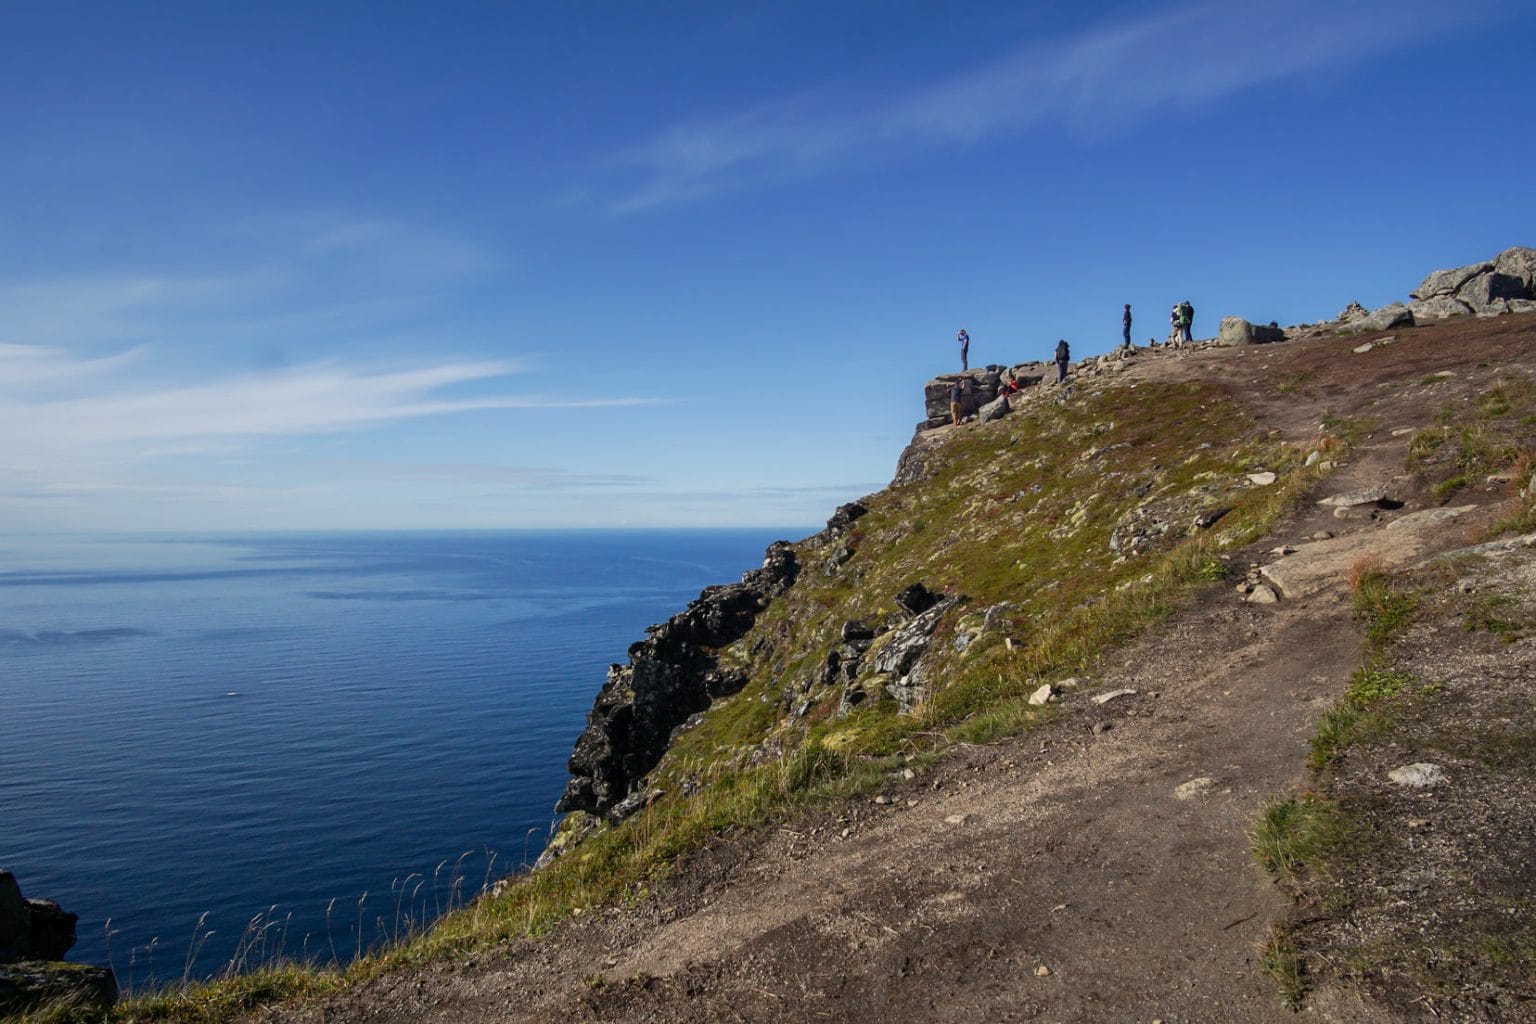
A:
(993, 410)
(1441, 307)
(1237, 331)
(1448, 282)
(1488, 294)
(1384, 319)
(1519, 263)
(28, 984)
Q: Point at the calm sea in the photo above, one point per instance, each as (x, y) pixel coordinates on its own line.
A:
(231, 746)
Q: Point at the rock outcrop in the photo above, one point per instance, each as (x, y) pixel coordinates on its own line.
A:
(1504, 284)
(671, 675)
(34, 937)
(1237, 331)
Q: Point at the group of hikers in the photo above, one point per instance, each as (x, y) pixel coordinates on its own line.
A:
(1181, 321)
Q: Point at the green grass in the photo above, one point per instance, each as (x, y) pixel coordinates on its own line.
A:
(1486, 614)
(1282, 961)
(1293, 838)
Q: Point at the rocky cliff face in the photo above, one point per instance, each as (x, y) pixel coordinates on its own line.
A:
(34, 936)
(670, 675)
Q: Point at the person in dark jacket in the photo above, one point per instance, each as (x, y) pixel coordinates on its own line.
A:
(1125, 326)
(1063, 357)
(965, 349)
(957, 398)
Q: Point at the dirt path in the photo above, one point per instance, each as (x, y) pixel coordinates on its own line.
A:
(1097, 870)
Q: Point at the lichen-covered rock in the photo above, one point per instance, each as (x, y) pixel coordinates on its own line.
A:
(1488, 294)
(671, 675)
(1235, 330)
(993, 410)
(1386, 318)
(1519, 263)
(1441, 307)
(1448, 282)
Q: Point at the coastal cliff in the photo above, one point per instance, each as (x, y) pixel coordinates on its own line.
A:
(1195, 687)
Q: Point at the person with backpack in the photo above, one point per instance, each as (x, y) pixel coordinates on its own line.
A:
(1175, 330)
(965, 349)
(1125, 326)
(1187, 320)
(1063, 357)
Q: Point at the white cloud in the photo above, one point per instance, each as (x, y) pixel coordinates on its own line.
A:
(1096, 81)
(116, 426)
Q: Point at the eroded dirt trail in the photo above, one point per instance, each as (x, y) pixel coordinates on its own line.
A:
(1096, 870)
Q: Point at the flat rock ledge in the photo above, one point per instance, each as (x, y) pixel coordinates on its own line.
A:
(34, 937)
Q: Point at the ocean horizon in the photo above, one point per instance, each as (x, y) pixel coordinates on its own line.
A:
(228, 747)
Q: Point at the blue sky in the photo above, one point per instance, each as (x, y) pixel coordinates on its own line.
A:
(361, 265)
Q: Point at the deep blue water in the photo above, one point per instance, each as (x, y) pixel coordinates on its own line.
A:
(255, 727)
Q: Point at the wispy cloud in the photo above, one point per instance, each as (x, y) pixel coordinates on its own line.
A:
(114, 422)
(1097, 81)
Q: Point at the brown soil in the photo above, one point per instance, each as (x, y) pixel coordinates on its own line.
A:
(1059, 876)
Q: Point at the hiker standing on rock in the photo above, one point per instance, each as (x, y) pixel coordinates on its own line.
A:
(965, 349)
(1063, 357)
(1125, 327)
(1187, 320)
(1175, 331)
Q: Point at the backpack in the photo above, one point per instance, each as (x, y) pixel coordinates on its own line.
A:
(1063, 353)
(1186, 314)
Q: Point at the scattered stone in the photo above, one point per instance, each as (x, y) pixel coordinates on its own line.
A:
(1263, 594)
(1419, 776)
(1069, 683)
(1199, 786)
(1044, 695)
(1100, 728)
(957, 819)
(1042, 971)
(1105, 698)
(882, 800)
(1283, 550)
(1323, 535)
(1400, 431)
(1361, 350)
(1313, 457)
(1263, 479)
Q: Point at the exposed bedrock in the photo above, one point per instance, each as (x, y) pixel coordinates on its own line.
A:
(34, 936)
(671, 674)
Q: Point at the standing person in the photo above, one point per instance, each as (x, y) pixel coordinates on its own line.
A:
(1175, 331)
(1125, 326)
(956, 396)
(1187, 320)
(965, 349)
(1063, 357)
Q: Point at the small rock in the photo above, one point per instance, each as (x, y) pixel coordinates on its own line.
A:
(1069, 683)
(1323, 535)
(1194, 787)
(1042, 971)
(882, 800)
(1283, 550)
(1263, 594)
(1361, 350)
(1420, 775)
(1100, 728)
(1313, 456)
(957, 819)
(1400, 431)
(1043, 695)
(908, 774)
(1263, 479)
(1105, 698)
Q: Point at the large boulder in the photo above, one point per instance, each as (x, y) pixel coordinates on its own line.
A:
(1384, 319)
(1441, 307)
(1489, 294)
(1448, 282)
(993, 410)
(1519, 263)
(1237, 331)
